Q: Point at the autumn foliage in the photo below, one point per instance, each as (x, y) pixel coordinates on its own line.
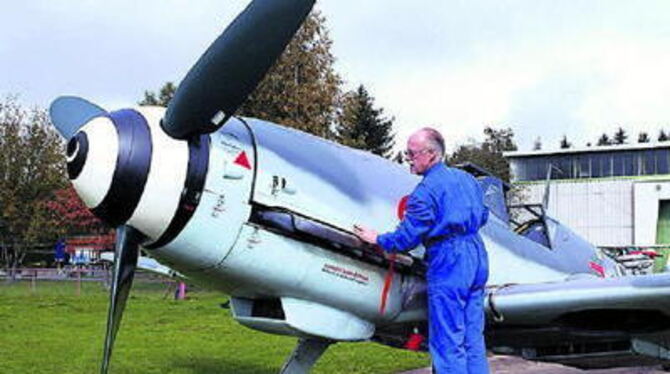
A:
(67, 208)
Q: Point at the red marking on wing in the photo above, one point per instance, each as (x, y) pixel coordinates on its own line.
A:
(243, 161)
(599, 269)
(402, 207)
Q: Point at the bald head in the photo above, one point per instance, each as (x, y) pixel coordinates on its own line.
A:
(429, 138)
(425, 148)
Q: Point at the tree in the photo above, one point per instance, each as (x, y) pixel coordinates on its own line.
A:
(662, 136)
(163, 97)
(399, 158)
(489, 153)
(302, 89)
(565, 144)
(537, 144)
(643, 138)
(73, 215)
(31, 169)
(604, 140)
(361, 125)
(620, 137)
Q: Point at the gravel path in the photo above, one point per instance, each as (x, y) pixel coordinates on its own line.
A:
(515, 365)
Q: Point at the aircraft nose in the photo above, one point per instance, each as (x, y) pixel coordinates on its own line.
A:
(91, 160)
(108, 163)
(77, 150)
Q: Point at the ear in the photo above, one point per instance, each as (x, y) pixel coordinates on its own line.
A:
(435, 158)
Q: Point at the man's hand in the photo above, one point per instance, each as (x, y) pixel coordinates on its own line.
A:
(365, 234)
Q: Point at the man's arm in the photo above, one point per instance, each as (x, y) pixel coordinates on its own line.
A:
(419, 219)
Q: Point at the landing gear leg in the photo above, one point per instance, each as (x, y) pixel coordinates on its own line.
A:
(304, 356)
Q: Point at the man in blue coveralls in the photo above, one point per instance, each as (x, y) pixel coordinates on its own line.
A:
(445, 212)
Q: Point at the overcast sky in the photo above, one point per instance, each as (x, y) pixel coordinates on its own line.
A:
(544, 68)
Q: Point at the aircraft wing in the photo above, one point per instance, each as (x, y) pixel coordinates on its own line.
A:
(585, 322)
(591, 299)
(146, 263)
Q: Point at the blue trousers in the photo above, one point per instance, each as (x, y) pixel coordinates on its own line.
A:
(456, 282)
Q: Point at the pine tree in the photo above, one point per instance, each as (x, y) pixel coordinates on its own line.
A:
(489, 153)
(163, 97)
(662, 136)
(604, 140)
(565, 144)
(620, 136)
(302, 89)
(537, 144)
(361, 125)
(643, 138)
(399, 158)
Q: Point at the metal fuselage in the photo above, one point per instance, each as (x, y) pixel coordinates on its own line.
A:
(204, 205)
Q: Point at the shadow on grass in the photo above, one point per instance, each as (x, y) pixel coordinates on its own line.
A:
(222, 365)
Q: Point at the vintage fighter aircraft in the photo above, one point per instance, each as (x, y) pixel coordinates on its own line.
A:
(264, 213)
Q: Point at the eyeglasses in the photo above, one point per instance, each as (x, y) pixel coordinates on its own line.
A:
(410, 155)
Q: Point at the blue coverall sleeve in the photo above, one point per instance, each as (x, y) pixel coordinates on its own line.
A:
(418, 221)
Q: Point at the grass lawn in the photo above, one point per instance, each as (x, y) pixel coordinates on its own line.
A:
(52, 330)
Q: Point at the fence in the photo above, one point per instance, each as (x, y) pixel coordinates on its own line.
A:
(78, 275)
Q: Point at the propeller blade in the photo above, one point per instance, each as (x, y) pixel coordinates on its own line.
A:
(233, 65)
(125, 262)
(70, 113)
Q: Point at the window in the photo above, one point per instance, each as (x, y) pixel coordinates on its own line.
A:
(563, 168)
(596, 171)
(629, 164)
(606, 164)
(662, 161)
(601, 165)
(524, 166)
(515, 170)
(593, 165)
(648, 163)
(568, 167)
(538, 169)
(583, 166)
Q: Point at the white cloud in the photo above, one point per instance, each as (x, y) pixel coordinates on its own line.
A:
(543, 67)
(557, 86)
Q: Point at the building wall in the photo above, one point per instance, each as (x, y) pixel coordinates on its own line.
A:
(600, 211)
(606, 212)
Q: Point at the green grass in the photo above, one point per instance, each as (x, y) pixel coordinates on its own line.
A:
(53, 330)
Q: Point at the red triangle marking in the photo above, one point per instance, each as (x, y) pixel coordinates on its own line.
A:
(243, 161)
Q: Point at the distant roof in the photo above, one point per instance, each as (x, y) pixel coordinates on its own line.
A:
(591, 149)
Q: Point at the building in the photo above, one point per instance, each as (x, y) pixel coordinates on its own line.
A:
(615, 195)
(86, 249)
